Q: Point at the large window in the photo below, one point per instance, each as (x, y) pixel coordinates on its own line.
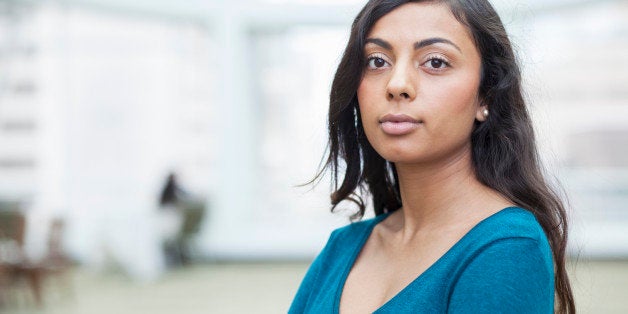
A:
(578, 82)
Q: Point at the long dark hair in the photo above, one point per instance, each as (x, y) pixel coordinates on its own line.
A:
(504, 152)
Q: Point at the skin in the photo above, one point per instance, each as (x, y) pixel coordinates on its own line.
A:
(442, 199)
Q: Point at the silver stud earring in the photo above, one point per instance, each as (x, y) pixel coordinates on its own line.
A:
(485, 113)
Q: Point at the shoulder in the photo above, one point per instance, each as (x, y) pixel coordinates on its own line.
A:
(504, 241)
(326, 272)
(355, 230)
(511, 231)
(511, 222)
(507, 261)
(511, 273)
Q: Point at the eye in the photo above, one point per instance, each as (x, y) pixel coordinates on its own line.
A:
(376, 62)
(435, 62)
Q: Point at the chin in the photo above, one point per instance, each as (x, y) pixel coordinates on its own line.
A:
(402, 155)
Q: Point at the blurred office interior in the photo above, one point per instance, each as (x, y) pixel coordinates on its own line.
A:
(101, 99)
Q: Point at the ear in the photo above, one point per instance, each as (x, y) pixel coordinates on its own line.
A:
(482, 113)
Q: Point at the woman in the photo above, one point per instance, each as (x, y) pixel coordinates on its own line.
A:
(427, 118)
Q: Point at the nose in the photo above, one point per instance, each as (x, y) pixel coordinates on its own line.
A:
(401, 83)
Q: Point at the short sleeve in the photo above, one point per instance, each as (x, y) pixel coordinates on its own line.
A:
(513, 275)
(309, 281)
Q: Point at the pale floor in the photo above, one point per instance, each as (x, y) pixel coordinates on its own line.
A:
(600, 287)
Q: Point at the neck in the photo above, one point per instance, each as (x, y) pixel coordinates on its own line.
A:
(439, 194)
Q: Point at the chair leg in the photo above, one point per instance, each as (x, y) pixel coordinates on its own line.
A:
(35, 281)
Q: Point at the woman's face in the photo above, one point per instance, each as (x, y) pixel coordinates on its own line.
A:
(419, 92)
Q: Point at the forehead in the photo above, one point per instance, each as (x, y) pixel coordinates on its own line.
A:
(417, 21)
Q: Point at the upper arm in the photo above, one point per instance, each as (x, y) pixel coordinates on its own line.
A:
(309, 281)
(511, 275)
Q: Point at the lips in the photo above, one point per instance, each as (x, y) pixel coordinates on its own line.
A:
(398, 124)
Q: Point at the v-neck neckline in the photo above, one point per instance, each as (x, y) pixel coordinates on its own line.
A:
(356, 251)
(367, 233)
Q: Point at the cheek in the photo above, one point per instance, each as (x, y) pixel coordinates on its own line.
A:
(363, 92)
(367, 101)
(366, 96)
(453, 109)
(459, 98)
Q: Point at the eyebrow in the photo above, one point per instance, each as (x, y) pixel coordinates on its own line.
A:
(418, 45)
(380, 42)
(435, 40)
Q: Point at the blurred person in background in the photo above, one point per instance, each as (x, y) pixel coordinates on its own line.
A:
(428, 122)
(171, 218)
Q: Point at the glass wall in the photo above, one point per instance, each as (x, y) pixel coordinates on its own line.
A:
(98, 103)
(578, 82)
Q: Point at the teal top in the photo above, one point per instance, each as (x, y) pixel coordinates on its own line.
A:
(502, 265)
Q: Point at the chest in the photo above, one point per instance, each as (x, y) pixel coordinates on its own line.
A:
(380, 274)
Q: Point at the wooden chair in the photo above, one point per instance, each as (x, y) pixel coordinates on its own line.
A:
(15, 267)
(57, 263)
